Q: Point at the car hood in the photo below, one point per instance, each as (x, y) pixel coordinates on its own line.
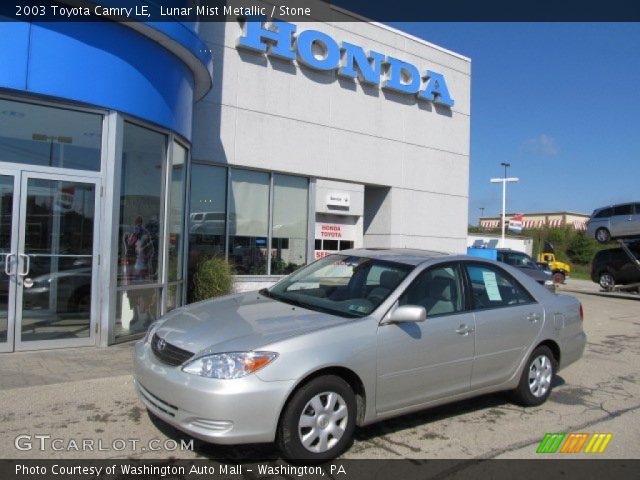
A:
(240, 322)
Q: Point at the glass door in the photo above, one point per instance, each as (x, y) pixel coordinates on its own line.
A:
(50, 261)
(8, 246)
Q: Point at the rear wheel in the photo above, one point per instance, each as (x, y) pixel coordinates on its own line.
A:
(537, 378)
(603, 235)
(318, 422)
(606, 281)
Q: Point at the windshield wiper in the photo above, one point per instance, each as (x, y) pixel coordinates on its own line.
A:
(308, 306)
(265, 292)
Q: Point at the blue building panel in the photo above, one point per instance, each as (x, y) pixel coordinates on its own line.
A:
(109, 65)
(14, 52)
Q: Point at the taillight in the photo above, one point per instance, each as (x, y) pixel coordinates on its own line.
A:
(581, 313)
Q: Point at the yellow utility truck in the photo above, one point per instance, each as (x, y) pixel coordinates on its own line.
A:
(559, 270)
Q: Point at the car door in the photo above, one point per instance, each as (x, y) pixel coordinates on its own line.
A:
(507, 319)
(426, 361)
(626, 271)
(622, 219)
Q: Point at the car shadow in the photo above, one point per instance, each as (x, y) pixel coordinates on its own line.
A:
(250, 453)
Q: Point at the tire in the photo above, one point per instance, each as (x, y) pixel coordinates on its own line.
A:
(326, 434)
(559, 277)
(606, 281)
(603, 235)
(535, 391)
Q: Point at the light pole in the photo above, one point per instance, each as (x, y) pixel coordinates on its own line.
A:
(504, 180)
(480, 219)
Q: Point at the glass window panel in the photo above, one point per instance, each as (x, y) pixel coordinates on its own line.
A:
(59, 224)
(248, 222)
(135, 310)
(438, 290)
(330, 245)
(6, 217)
(208, 197)
(623, 209)
(290, 212)
(493, 288)
(143, 157)
(176, 212)
(48, 136)
(607, 212)
(174, 296)
(346, 244)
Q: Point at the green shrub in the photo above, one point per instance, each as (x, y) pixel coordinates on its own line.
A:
(581, 249)
(558, 235)
(213, 278)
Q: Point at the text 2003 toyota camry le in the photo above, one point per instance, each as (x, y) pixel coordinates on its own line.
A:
(350, 340)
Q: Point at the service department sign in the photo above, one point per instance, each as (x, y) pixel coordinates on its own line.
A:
(319, 51)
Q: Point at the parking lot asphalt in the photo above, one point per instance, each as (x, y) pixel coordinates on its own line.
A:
(87, 394)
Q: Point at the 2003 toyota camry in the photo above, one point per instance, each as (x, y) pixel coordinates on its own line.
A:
(350, 340)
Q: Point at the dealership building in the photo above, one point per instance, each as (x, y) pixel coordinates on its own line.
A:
(130, 152)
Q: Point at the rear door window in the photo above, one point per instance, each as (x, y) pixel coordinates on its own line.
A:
(492, 287)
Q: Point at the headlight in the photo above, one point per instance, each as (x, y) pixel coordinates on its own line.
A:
(229, 365)
(548, 283)
(151, 330)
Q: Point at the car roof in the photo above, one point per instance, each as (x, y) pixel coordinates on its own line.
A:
(409, 256)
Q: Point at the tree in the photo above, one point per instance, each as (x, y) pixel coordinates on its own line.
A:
(581, 249)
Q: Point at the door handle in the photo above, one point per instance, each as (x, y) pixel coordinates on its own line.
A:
(27, 264)
(533, 317)
(7, 263)
(464, 330)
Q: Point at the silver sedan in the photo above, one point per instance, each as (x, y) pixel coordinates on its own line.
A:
(353, 339)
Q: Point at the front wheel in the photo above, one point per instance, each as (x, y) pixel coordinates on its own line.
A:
(537, 377)
(318, 422)
(603, 235)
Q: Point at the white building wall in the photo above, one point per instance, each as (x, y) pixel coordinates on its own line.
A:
(276, 115)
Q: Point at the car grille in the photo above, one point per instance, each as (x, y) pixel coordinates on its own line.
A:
(169, 354)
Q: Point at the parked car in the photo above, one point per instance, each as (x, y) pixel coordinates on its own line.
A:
(613, 266)
(352, 339)
(525, 263)
(615, 221)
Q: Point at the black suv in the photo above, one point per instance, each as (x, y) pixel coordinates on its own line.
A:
(613, 267)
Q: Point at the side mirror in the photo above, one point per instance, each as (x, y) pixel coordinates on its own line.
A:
(408, 313)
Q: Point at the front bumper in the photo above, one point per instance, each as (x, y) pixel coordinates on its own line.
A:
(242, 410)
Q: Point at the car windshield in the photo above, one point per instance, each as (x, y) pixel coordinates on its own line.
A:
(520, 260)
(344, 285)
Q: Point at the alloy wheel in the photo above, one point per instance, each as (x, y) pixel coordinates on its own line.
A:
(323, 422)
(607, 281)
(540, 373)
(602, 235)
